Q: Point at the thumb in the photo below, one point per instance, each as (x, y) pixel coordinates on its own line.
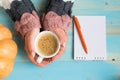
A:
(61, 51)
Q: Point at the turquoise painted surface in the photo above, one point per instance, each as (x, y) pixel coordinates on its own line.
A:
(65, 68)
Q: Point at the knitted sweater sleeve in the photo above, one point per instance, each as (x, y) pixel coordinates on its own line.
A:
(60, 7)
(18, 8)
(58, 14)
(24, 14)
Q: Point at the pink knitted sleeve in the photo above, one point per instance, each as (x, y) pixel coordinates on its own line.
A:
(53, 20)
(27, 22)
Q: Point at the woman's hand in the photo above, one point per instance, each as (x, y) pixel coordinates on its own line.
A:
(29, 26)
(30, 49)
(30, 29)
(59, 25)
(62, 35)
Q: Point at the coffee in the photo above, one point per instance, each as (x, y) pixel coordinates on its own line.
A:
(47, 44)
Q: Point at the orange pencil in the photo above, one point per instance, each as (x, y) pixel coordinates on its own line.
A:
(80, 34)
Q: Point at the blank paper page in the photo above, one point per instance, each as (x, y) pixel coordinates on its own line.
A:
(94, 33)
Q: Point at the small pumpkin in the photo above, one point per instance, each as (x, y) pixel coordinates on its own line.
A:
(8, 51)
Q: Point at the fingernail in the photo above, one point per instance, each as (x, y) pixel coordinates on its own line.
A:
(33, 54)
(64, 44)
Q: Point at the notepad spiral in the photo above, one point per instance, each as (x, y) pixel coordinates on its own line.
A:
(84, 58)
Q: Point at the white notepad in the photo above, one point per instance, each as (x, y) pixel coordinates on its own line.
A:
(94, 33)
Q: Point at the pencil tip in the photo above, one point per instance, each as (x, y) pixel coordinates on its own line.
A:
(86, 52)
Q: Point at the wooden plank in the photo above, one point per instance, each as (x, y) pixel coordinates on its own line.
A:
(96, 70)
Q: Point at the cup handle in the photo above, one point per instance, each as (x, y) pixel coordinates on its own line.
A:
(39, 59)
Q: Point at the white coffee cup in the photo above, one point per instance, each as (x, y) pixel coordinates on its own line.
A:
(41, 55)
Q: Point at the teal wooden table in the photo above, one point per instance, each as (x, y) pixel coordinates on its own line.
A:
(65, 68)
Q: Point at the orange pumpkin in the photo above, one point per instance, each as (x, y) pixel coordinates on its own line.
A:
(8, 51)
(5, 33)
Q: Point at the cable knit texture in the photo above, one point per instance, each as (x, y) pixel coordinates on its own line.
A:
(18, 8)
(59, 6)
(53, 20)
(28, 22)
(24, 14)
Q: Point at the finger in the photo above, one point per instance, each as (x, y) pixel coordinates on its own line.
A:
(40, 65)
(35, 15)
(61, 51)
(29, 53)
(29, 41)
(47, 60)
(30, 56)
(29, 46)
(33, 60)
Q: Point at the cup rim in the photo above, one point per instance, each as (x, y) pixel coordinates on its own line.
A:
(39, 36)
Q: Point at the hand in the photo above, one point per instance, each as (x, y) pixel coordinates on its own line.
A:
(29, 27)
(63, 41)
(29, 47)
(59, 25)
